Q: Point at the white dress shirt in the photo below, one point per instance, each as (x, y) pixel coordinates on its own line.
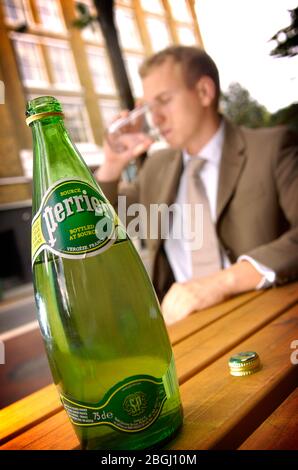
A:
(177, 249)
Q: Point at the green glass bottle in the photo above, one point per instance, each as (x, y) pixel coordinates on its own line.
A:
(104, 334)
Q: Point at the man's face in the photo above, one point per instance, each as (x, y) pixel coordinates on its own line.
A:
(177, 110)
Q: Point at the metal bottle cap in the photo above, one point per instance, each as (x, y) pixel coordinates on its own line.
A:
(244, 363)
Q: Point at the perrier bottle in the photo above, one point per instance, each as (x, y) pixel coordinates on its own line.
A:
(104, 334)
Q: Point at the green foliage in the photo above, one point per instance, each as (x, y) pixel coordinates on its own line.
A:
(287, 116)
(287, 38)
(241, 108)
(84, 18)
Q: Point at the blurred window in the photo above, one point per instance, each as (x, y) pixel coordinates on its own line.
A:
(50, 15)
(100, 70)
(17, 12)
(92, 32)
(14, 11)
(133, 62)
(128, 30)
(159, 32)
(127, 3)
(30, 61)
(77, 120)
(153, 6)
(62, 65)
(180, 10)
(186, 35)
(108, 109)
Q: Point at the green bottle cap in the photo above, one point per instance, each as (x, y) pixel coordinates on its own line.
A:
(244, 363)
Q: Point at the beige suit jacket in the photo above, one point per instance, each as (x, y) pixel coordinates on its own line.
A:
(257, 202)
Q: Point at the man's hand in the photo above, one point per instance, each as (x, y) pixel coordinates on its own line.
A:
(187, 297)
(133, 144)
(116, 162)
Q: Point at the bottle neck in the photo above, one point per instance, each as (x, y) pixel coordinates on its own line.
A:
(55, 157)
(47, 135)
(50, 129)
(51, 141)
(43, 115)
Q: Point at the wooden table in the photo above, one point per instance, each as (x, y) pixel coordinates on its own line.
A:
(221, 411)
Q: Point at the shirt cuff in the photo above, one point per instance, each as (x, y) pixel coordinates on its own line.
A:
(268, 274)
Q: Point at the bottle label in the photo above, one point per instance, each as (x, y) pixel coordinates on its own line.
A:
(73, 221)
(130, 406)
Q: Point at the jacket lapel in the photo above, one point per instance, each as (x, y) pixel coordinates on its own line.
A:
(169, 173)
(232, 163)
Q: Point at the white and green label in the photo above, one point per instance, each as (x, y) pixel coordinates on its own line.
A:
(74, 221)
(130, 406)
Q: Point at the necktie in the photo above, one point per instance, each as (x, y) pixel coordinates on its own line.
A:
(205, 258)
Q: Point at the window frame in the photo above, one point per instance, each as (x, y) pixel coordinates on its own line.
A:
(126, 56)
(47, 42)
(27, 15)
(31, 39)
(105, 100)
(161, 19)
(129, 47)
(188, 26)
(101, 51)
(160, 12)
(188, 19)
(40, 26)
(95, 38)
(79, 101)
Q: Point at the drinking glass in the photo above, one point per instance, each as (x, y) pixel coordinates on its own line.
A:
(129, 131)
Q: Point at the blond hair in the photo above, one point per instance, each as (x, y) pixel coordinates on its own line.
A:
(195, 63)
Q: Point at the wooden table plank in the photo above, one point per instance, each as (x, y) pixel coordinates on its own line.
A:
(221, 411)
(19, 416)
(279, 431)
(30, 411)
(24, 413)
(211, 343)
(55, 432)
(193, 323)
